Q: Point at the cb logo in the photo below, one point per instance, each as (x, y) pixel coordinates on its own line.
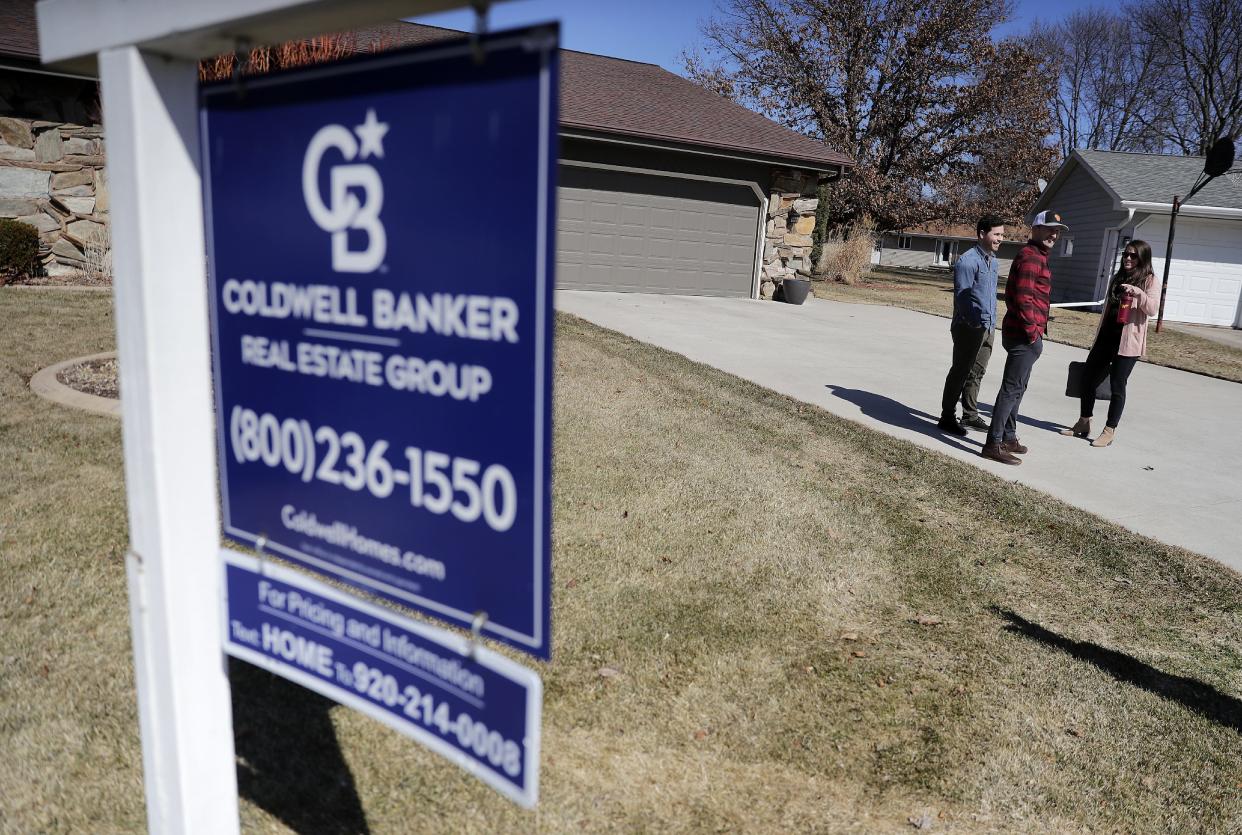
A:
(344, 211)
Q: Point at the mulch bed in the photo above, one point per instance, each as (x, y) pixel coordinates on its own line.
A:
(97, 377)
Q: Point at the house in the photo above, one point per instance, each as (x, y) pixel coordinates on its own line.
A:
(1109, 198)
(938, 244)
(666, 187)
(51, 151)
(663, 186)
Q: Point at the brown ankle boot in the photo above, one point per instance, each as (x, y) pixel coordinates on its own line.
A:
(1081, 429)
(1106, 437)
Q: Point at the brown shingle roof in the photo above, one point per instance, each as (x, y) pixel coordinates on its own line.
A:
(598, 94)
(615, 96)
(19, 37)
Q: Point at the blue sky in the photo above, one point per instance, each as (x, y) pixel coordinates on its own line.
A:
(656, 31)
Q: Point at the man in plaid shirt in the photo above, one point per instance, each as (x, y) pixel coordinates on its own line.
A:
(1027, 296)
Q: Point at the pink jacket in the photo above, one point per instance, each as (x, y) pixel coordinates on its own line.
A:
(1134, 332)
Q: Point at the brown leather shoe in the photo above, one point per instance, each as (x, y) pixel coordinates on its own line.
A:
(1015, 446)
(997, 452)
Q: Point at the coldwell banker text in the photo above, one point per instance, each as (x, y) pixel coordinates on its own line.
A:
(475, 317)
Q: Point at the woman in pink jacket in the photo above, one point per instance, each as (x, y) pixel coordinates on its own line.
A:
(1133, 296)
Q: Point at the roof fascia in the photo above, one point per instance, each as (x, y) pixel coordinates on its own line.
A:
(1187, 211)
(35, 69)
(702, 150)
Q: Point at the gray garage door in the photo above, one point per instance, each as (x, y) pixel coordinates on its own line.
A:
(651, 234)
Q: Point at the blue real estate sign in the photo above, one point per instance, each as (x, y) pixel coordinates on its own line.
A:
(475, 707)
(380, 245)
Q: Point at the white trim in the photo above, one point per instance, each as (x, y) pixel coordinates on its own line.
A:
(954, 252)
(760, 243)
(1184, 211)
(1102, 275)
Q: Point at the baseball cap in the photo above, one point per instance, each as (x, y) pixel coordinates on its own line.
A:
(1048, 218)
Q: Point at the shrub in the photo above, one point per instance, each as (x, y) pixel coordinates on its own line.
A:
(19, 248)
(846, 253)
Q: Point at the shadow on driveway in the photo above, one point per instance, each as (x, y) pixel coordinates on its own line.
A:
(887, 410)
(894, 413)
(1036, 423)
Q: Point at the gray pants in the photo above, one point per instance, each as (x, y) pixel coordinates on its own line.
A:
(972, 348)
(1018, 365)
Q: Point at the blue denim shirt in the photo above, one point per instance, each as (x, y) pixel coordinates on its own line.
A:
(974, 288)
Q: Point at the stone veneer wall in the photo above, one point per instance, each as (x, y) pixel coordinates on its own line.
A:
(790, 224)
(52, 177)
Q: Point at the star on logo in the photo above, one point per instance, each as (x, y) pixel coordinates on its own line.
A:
(371, 132)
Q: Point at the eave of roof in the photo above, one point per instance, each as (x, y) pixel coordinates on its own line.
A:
(1116, 190)
(655, 104)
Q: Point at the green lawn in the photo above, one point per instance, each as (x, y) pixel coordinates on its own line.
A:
(932, 292)
(805, 626)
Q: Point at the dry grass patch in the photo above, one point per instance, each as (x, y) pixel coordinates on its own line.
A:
(766, 619)
(933, 293)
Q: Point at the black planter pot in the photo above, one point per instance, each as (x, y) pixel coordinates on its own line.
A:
(794, 290)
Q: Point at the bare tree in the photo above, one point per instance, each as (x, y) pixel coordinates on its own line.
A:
(1196, 47)
(918, 93)
(1107, 82)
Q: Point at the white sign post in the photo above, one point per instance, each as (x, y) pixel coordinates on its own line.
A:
(147, 54)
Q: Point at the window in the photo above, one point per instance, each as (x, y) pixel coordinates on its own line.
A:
(1067, 246)
(903, 241)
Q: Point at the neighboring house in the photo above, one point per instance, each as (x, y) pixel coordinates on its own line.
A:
(663, 185)
(937, 245)
(1109, 198)
(51, 151)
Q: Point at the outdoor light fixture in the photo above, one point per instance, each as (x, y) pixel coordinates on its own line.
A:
(1219, 160)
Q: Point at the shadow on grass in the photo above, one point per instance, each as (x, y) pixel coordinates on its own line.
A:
(1223, 709)
(894, 413)
(288, 759)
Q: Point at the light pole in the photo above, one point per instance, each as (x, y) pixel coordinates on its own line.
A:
(1219, 160)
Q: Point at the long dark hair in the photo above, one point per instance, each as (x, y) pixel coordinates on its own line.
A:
(1142, 270)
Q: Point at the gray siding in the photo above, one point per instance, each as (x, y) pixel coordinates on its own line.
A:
(918, 255)
(922, 250)
(1088, 210)
(647, 232)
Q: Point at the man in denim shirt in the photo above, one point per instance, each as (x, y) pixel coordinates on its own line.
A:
(973, 327)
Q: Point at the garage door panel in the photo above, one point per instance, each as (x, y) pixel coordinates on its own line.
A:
(655, 234)
(1205, 278)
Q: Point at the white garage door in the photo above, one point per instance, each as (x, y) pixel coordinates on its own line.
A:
(1205, 280)
(652, 234)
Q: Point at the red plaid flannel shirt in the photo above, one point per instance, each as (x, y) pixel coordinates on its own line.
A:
(1027, 295)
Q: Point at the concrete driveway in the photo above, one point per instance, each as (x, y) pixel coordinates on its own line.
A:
(1174, 474)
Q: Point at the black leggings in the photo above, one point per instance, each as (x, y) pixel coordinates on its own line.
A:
(1103, 362)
